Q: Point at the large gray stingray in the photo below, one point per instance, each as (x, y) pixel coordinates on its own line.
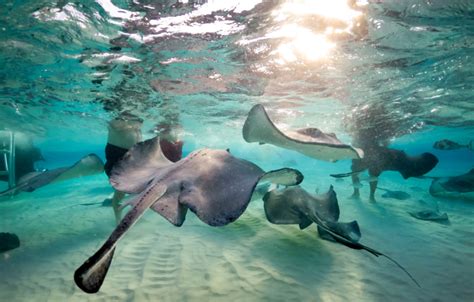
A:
(213, 184)
(88, 165)
(311, 142)
(458, 187)
(294, 205)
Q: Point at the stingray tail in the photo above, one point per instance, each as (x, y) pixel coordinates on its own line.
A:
(89, 204)
(400, 266)
(341, 175)
(91, 274)
(357, 246)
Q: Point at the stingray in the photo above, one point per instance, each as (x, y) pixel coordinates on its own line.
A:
(294, 205)
(105, 203)
(431, 215)
(458, 187)
(400, 195)
(446, 144)
(311, 142)
(8, 241)
(88, 165)
(213, 184)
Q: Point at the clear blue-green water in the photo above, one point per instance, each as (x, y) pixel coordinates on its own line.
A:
(402, 71)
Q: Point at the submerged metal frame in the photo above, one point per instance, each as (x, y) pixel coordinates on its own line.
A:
(8, 152)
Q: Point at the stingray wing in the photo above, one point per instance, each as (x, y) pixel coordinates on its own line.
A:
(312, 142)
(88, 165)
(326, 205)
(283, 176)
(217, 186)
(279, 210)
(294, 206)
(139, 166)
(258, 127)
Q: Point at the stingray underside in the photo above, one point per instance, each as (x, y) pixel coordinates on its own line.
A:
(142, 163)
(213, 184)
(216, 186)
(312, 142)
(88, 165)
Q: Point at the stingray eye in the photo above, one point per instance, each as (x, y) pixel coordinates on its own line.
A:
(184, 186)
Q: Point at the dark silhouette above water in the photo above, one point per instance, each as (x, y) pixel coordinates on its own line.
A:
(379, 159)
(373, 127)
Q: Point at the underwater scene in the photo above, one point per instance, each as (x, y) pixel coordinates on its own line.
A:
(236, 150)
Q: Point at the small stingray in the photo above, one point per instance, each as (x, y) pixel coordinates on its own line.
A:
(8, 241)
(431, 215)
(400, 195)
(446, 144)
(416, 189)
(88, 165)
(311, 142)
(458, 187)
(105, 203)
(294, 205)
(213, 184)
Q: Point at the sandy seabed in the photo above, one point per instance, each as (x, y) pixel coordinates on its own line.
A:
(249, 260)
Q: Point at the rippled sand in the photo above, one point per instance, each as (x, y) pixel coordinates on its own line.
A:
(249, 260)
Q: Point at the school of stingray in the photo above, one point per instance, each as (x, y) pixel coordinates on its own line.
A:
(200, 183)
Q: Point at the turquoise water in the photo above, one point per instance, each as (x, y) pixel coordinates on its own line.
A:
(401, 71)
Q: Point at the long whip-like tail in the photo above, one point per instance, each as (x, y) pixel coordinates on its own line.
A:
(341, 175)
(91, 274)
(358, 246)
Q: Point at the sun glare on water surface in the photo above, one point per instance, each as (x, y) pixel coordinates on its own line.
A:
(310, 29)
